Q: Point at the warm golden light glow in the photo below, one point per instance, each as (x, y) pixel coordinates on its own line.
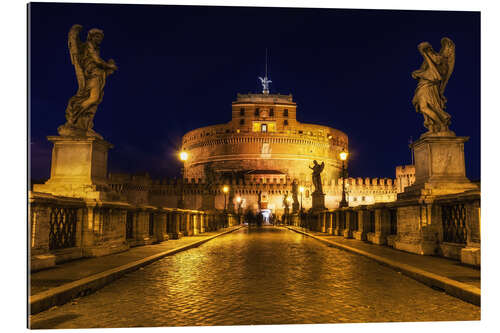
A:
(225, 189)
(289, 199)
(238, 199)
(183, 156)
(343, 155)
(301, 189)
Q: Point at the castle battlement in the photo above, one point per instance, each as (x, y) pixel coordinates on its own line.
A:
(144, 183)
(264, 98)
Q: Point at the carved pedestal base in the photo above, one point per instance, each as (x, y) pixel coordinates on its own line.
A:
(379, 239)
(318, 201)
(359, 235)
(439, 166)
(78, 169)
(471, 256)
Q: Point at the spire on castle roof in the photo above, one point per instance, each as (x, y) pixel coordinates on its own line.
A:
(265, 81)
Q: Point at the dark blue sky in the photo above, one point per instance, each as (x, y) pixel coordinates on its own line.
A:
(180, 67)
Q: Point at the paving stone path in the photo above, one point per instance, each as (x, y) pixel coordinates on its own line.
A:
(261, 275)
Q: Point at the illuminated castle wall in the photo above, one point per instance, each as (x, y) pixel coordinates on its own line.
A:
(263, 141)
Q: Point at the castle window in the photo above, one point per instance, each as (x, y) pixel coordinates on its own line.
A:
(242, 112)
(257, 111)
(300, 132)
(285, 123)
(285, 113)
(271, 112)
(242, 121)
(263, 128)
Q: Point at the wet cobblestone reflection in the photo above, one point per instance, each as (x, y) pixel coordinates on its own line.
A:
(258, 276)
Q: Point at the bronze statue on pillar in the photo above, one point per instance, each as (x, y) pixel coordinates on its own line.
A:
(318, 197)
(91, 72)
(316, 176)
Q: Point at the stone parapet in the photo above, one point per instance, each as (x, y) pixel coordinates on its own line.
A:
(66, 228)
(446, 225)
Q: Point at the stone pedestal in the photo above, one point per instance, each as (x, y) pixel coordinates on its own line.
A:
(318, 201)
(471, 256)
(79, 168)
(439, 170)
(439, 166)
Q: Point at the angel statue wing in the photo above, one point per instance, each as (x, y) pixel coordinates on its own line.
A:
(74, 46)
(448, 51)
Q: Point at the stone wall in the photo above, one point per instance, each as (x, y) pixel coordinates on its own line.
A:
(361, 191)
(287, 146)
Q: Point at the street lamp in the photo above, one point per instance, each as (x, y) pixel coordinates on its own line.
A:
(225, 189)
(239, 201)
(301, 190)
(183, 156)
(287, 210)
(343, 156)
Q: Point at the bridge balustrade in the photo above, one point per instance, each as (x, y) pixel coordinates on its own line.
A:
(64, 228)
(447, 225)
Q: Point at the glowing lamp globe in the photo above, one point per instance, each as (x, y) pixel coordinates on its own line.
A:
(343, 155)
(183, 156)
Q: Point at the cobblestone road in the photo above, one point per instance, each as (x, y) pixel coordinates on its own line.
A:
(258, 276)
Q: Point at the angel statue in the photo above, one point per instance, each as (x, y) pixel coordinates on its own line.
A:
(316, 176)
(265, 84)
(91, 72)
(432, 78)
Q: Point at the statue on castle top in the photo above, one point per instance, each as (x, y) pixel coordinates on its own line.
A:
(91, 72)
(265, 84)
(432, 78)
(316, 176)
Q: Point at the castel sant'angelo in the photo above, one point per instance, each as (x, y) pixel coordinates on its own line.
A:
(263, 156)
(264, 149)
(263, 143)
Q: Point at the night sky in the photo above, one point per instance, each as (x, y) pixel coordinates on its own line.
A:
(180, 67)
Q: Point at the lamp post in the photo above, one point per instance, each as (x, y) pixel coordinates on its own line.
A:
(239, 201)
(287, 210)
(225, 189)
(301, 190)
(343, 156)
(183, 156)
